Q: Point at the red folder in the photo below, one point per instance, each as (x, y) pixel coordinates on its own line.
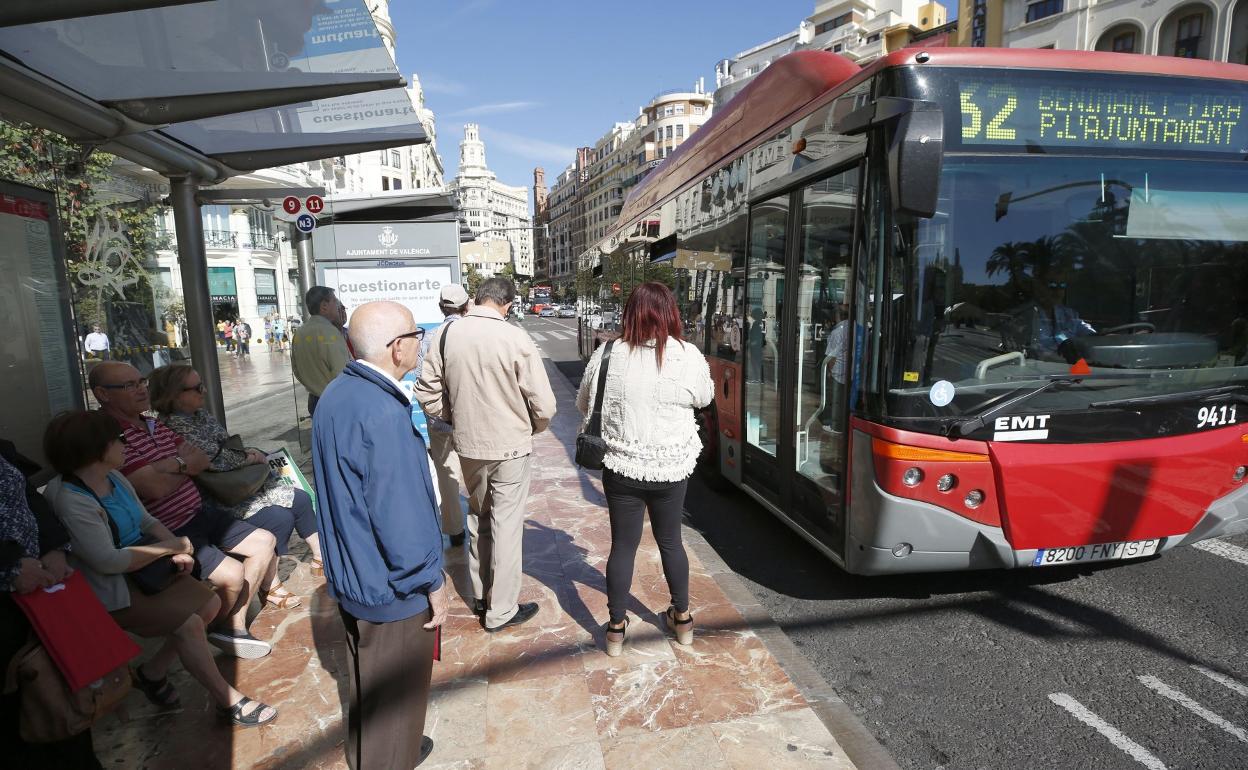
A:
(80, 636)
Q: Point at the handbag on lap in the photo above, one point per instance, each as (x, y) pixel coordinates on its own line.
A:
(591, 450)
(231, 488)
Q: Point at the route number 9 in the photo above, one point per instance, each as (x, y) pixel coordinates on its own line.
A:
(974, 113)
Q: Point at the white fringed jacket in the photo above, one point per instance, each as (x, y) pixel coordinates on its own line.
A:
(648, 419)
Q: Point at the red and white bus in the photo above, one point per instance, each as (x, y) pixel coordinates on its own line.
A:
(970, 308)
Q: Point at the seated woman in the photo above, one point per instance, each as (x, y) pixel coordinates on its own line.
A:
(87, 449)
(177, 395)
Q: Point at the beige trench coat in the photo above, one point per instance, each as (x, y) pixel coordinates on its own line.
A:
(499, 396)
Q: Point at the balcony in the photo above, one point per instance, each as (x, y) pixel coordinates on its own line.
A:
(260, 240)
(220, 239)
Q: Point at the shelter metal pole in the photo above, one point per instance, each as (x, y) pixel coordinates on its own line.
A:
(307, 278)
(194, 265)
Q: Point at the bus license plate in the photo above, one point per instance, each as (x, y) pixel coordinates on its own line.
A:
(1049, 557)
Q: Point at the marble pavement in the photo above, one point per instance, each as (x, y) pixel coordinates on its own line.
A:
(542, 695)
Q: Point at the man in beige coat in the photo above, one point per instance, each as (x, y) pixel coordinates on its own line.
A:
(485, 377)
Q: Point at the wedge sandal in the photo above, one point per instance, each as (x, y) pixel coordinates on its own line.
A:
(615, 638)
(682, 628)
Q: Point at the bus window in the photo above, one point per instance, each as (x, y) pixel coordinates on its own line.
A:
(824, 329)
(765, 309)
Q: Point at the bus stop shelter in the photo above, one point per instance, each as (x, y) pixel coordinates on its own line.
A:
(201, 92)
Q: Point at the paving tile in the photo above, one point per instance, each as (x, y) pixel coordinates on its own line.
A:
(646, 698)
(739, 684)
(454, 721)
(687, 748)
(538, 714)
(532, 653)
(793, 739)
(579, 756)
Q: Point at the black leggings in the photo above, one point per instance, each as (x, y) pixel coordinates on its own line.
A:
(627, 501)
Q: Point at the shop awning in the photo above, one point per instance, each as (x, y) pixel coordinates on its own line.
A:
(212, 88)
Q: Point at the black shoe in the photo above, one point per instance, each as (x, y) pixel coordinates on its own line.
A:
(458, 540)
(478, 609)
(524, 612)
(426, 748)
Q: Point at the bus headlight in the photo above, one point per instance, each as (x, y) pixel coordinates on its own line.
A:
(912, 477)
(946, 482)
(1240, 472)
(902, 550)
(974, 498)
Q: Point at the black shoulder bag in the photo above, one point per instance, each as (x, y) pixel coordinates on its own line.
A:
(151, 578)
(590, 448)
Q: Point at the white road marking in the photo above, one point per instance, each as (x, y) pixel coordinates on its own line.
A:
(1225, 550)
(537, 336)
(1113, 734)
(1224, 680)
(1165, 690)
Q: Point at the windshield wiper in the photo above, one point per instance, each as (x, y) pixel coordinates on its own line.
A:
(1223, 393)
(962, 427)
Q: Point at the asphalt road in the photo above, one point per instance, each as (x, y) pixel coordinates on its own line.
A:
(1140, 664)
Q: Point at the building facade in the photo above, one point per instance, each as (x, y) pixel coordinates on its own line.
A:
(402, 168)
(587, 197)
(862, 30)
(541, 225)
(1215, 30)
(491, 209)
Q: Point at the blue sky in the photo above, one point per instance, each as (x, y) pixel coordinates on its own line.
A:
(543, 77)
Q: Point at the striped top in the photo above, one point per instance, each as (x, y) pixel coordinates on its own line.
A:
(150, 444)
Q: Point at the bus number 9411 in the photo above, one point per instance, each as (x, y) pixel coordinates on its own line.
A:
(1215, 416)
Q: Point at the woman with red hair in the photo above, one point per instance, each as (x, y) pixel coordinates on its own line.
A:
(654, 382)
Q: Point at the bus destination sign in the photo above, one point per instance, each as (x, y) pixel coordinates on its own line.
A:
(1107, 115)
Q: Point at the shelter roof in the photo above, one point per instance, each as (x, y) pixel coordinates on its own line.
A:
(212, 88)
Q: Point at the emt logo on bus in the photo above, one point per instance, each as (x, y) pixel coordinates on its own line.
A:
(1021, 427)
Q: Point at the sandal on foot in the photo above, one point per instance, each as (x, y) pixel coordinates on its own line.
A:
(615, 639)
(280, 597)
(682, 628)
(158, 691)
(317, 568)
(252, 718)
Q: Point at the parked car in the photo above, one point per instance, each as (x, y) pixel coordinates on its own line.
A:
(547, 312)
(567, 311)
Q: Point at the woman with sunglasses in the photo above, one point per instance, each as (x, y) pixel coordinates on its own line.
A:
(113, 535)
(177, 395)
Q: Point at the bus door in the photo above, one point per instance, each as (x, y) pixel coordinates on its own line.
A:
(798, 337)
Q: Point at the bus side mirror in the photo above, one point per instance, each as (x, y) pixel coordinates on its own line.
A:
(915, 150)
(916, 143)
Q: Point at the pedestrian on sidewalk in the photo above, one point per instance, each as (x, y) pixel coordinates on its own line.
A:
(485, 377)
(453, 302)
(229, 337)
(655, 381)
(318, 351)
(242, 336)
(383, 546)
(96, 343)
(268, 332)
(279, 333)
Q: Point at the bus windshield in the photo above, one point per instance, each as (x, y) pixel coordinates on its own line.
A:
(1131, 272)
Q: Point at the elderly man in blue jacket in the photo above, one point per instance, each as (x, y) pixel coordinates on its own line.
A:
(381, 539)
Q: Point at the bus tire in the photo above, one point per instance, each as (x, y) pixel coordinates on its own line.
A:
(708, 461)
